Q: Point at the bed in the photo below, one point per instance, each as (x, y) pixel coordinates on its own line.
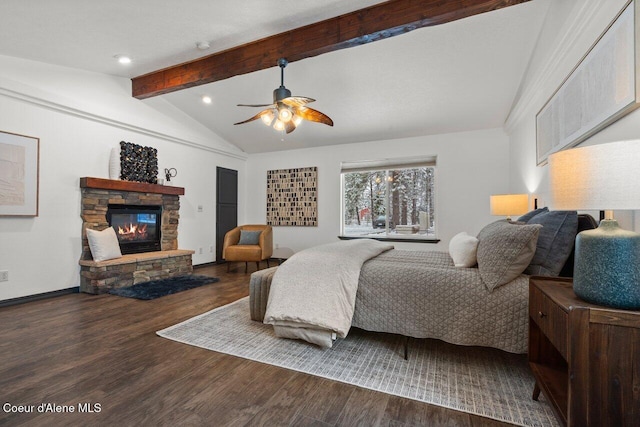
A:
(422, 294)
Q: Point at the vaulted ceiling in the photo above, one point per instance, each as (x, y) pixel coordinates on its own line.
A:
(458, 76)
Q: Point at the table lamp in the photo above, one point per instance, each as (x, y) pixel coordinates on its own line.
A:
(509, 204)
(607, 259)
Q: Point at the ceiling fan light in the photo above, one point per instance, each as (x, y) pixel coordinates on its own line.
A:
(284, 114)
(278, 125)
(296, 120)
(267, 118)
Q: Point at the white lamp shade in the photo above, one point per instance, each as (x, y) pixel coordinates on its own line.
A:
(509, 204)
(597, 177)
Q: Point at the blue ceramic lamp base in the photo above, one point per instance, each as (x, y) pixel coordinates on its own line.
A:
(607, 266)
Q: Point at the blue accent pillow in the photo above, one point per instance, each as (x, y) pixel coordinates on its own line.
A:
(555, 241)
(529, 215)
(249, 237)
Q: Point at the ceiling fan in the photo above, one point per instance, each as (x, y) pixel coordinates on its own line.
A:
(287, 111)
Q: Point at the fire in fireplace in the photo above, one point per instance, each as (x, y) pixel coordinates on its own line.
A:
(137, 227)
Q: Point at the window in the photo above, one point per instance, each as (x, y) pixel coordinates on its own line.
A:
(389, 201)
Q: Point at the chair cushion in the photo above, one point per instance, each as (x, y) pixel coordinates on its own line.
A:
(249, 237)
(504, 250)
(246, 253)
(555, 241)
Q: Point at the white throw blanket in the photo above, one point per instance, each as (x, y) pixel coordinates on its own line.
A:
(313, 293)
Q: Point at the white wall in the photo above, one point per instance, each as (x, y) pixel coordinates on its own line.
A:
(471, 166)
(569, 31)
(79, 116)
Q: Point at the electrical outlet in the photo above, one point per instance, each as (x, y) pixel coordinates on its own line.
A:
(4, 276)
(200, 208)
(200, 251)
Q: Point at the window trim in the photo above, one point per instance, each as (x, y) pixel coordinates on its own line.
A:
(391, 239)
(399, 163)
(388, 164)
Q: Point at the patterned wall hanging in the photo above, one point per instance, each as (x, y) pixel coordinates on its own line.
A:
(292, 197)
(138, 163)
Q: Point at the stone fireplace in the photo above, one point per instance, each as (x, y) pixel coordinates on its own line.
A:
(148, 216)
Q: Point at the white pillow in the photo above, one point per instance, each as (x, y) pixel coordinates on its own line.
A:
(103, 244)
(463, 250)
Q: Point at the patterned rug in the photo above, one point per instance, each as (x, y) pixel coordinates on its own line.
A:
(481, 381)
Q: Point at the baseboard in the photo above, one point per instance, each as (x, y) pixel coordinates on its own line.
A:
(206, 264)
(36, 297)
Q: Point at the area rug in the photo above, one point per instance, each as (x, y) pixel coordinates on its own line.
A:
(162, 287)
(481, 381)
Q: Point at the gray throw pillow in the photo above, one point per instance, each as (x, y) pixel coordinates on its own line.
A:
(504, 251)
(526, 217)
(555, 242)
(249, 237)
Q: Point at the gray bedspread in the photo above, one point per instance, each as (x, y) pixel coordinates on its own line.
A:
(422, 295)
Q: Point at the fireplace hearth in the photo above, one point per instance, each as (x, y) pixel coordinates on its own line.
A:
(138, 227)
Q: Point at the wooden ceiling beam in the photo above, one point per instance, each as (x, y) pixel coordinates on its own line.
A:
(362, 26)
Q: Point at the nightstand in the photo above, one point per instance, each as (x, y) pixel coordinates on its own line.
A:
(585, 358)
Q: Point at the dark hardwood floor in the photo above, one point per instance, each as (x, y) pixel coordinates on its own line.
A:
(101, 349)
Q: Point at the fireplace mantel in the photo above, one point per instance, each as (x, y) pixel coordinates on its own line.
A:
(139, 187)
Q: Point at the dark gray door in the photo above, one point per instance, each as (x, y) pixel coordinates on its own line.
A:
(226, 206)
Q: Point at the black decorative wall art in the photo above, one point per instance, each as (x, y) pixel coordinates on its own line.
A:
(138, 163)
(292, 197)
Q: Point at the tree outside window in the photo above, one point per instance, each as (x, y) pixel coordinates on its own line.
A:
(393, 203)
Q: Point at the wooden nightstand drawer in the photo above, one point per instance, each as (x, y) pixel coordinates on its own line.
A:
(550, 317)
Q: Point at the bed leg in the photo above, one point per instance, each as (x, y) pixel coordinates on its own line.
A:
(246, 264)
(406, 348)
(536, 392)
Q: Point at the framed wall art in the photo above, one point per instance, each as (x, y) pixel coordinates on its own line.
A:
(292, 197)
(19, 174)
(601, 89)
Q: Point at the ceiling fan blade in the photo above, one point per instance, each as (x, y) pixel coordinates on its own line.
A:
(256, 105)
(256, 117)
(313, 115)
(289, 126)
(297, 101)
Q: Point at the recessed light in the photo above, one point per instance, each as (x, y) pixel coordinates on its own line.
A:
(203, 45)
(206, 99)
(123, 59)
